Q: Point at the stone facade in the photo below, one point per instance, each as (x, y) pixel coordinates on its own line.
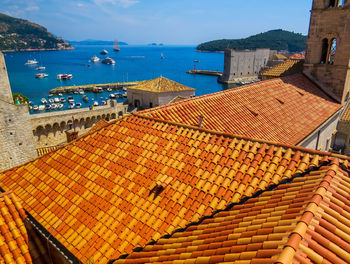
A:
(243, 65)
(16, 139)
(327, 59)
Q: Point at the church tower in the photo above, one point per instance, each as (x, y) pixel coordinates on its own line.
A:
(327, 59)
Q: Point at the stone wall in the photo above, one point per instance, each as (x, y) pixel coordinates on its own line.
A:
(48, 129)
(243, 64)
(16, 140)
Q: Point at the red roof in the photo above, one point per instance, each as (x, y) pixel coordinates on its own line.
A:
(138, 178)
(305, 221)
(283, 110)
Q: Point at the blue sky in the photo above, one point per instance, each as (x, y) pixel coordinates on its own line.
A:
(187, 22)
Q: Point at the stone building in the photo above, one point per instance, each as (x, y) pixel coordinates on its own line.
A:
(157, 92)
(328, 47)
(243, 65)
(16, 139)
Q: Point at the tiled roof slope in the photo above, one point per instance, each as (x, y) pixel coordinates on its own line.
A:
(161, 85)
(285, 68)
(283, 110)
(346, 114)
(43, 151)
(139, 178)
(305, 221)
(13, 234)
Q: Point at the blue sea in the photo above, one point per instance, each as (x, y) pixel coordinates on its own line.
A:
(133, 63)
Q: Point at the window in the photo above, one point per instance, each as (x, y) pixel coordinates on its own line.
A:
(324, 50)
(336, 3)
(333, 48)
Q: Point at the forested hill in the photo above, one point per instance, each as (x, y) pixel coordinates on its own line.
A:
(19, 34)
(274, 39)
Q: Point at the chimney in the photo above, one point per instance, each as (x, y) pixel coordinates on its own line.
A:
(201, 118)
(71, 135)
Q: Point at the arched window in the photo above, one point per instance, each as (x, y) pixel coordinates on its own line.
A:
(324, 50)
(332, 51)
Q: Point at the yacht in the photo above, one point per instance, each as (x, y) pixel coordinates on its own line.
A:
(103, 52)
(31, 62)
(40, 68)
(41, 75)
(108, 60)
(116, 46)
(64, 76)
(94, 59)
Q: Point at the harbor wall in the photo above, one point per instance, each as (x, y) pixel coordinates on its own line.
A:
(48, 129)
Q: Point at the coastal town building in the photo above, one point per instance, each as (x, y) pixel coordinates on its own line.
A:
(211, 179)
(156, 92)
(16, 139)
(243, 65)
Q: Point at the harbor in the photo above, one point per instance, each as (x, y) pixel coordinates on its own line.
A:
(93, 87)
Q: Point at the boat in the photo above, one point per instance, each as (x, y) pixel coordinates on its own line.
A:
(85, 98)
(103, 102)
(51, 101)
(40, 68)
(31, 62)
(70, 99)
(109, 89)
(43, 101)
(81, 92)
(75, 92)
(195, 60)
(41, 75)
(95, 103)
(60, 94)
(116, 46)
(64, 76)
(162, 56)
(60, 106)
(35, 108)
(94, 59)
(50, 95)
(62, 100)
(54, 106)
(41, 107)
(47, 107)
(71, 105)
(124, 88)
(103, 52)
(56, 100)
(112, 96)
(108, 60)
(77, 105)
(30, 103)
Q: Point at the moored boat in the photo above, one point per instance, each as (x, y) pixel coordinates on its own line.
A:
(77, 105)
(94, 59)
(95, 103)
(103, 52)
(41, 75)
(108, 60)
(31, 62)
(35, 108)
(64, 76)
(40, 68)
(116, 46)
(41, 107)
(85, 98)
(43, 101)
(56, 100)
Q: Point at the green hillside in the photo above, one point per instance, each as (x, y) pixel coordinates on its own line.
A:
(274, 39)
(19, 34)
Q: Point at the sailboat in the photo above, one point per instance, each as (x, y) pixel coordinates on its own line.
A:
(116, 46)
(162, 56)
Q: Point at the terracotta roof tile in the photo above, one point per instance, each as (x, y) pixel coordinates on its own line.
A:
(153, 167)
(161, 85)
(291, 224)
(13, 234)
(346, 114)
(255, 110)
(288, 67)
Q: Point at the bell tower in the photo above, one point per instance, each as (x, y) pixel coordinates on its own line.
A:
(327, 60)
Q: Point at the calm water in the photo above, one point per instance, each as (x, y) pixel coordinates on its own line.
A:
(133, 63)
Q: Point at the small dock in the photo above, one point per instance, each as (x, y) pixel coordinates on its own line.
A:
(205, 72)
(93, 87)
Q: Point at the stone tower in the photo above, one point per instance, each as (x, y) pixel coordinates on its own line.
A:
(16, 139)
(327, 59)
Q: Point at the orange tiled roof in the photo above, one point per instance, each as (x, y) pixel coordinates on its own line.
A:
(284, 110)
(100, 124)
(43, 151)
(13, 234)
(139, 178)
(161, 85)
(297, 56)
(346, 114)
(285, 68)
(280, 56)
(305, 221)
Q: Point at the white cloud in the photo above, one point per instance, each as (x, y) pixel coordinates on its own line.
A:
(127, 3)
(32, 8)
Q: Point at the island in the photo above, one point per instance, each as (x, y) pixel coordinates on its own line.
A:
(22, 35)
(277, 39)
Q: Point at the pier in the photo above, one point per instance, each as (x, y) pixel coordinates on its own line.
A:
(93, 87)
(205, 72)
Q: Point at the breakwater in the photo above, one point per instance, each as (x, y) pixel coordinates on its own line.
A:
(205, 72)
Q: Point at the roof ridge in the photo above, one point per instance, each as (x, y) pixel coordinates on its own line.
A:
(311, 151)
(309, 213)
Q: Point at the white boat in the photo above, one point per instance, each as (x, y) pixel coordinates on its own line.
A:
(50, 95)
(47, 106)
(81, 92)
(43, 101)
(112, 96)
(64, 76)
(109, 89)
(77, 105)
(41, 107)
(31, 62)
(70, 99)
(40, 68)
(54, 106)
(85, 98)
(62, 100)
(116, 46)
(103, 52)
(94, 59)
(51, 101)
(59, 106)
(35, 108)
(56, 100)
(108, 60)
(41, 75)
(95, 103)
(60, 94)
(71, 105)
(162, 56)
(103, 102)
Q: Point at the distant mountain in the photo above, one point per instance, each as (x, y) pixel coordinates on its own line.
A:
(97, 42)
(274, 39)
(19, 34)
